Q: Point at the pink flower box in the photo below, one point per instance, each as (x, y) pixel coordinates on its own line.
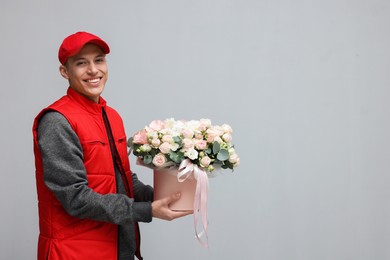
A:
(166, 183)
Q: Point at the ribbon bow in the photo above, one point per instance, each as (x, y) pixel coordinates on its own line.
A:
(200, 200)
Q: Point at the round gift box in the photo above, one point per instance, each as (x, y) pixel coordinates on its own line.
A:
(165, 184)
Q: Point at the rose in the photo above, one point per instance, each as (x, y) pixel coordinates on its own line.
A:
(156, 142)
(192, 125)
(156, 125)
(201, 144)
(169, 123)
(210, 135)
(188, 143)
(145, 148)
(167, 139)
(234, 159)
(227, 137)
(219, 130)
(191, 153)
(204, 124)
(218, 140)
(159, 160)
(185, 139)
(165, 148)
(187, 133)
(140, 137)
(227, 128)
(174, 147)
(152, 135)
(198, 135)
(205, 161)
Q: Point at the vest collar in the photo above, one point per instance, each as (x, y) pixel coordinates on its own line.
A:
(86, 103)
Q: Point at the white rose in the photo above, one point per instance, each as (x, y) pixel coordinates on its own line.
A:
(145, 148)
(191, 153)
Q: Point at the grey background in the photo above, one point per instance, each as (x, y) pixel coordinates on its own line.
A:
(304, 84)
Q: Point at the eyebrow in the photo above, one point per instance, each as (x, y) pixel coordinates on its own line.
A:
(101, 56)
(82, 58)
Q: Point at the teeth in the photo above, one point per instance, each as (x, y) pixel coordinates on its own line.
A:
(93, 80)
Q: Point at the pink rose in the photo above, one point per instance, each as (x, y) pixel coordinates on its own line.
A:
(159, 160)
(204, 124)
(205, 161)
(167, 139)
(156, 125)
(165, 148)
(218, 139)
(227, 128)
(140, 137)
(187, 133)
(156, 142)
(227, 137)
(198, 135)
(187, 143)
(210, 135)
(234, 159)
(219, 130)
(201, 145)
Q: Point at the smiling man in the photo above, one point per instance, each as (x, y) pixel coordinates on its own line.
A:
(87, 71)
(89, 201)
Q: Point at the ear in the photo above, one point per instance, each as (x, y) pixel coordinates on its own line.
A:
(64, 72)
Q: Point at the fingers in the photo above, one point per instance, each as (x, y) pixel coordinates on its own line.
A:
(179, 214)
(172, 214)
(160, 208)
(172, 198)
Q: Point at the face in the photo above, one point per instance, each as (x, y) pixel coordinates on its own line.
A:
(87, 72)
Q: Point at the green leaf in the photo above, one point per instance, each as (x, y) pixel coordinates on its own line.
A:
(130, 142)
(208, 150)
(223, 155)
(147, 159)
(216, 148)
(176, 158)
(153, 152)
(228, 165)
(177, 140)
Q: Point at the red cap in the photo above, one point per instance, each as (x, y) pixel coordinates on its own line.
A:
(74, 42)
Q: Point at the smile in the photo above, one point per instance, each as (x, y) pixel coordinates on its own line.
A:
(94, 80)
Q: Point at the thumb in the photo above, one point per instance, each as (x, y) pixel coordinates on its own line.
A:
(173, 197)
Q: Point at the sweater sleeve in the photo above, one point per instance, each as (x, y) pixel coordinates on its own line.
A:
(65, 175)
(142, 192)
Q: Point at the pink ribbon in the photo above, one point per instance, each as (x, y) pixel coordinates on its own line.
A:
(200, 200)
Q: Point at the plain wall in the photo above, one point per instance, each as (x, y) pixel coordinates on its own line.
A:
(304, 85)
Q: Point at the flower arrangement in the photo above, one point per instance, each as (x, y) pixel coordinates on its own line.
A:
(168, 143)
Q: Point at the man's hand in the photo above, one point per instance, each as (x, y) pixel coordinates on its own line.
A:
(160, 208)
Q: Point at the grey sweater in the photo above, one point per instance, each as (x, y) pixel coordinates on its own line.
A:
(65, 175)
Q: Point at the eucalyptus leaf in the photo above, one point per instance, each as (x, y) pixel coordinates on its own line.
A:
(147, 159)
(177, 140)
(223, 155)
(216, 147)
(175, 157)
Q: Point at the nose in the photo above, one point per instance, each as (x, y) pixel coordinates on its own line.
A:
(92, 69)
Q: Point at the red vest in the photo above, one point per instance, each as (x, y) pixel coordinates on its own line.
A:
(61, 235)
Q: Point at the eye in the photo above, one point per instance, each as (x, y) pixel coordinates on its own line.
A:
(100, 60)
(80, 63)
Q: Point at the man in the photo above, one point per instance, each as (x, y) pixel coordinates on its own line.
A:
(89, 201)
